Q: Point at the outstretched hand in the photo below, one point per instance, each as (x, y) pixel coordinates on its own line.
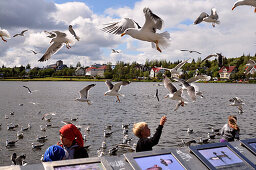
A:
(163, 120)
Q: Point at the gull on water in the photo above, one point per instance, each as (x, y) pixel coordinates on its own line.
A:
(237, 102)
(174, 93)
(58, 42)
(4, 34)
(84, 93)
(114, 89)
(146, 33)
(213, 18)
(27, 128)
(37, 146)
(10, 143)
(245, 2)
(18, 160)
(20, 34)
(71, 30)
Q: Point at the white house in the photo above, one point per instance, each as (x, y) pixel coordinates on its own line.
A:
(155, 70)
(80, 71)
(225, 72)
(96, 71)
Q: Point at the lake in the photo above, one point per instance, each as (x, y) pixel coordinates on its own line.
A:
(139, 104)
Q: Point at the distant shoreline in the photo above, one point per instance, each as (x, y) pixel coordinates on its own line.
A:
(102, 80)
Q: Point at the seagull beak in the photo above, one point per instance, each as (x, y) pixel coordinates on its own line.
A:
(233, 8)
(255, 10)
(122, 34)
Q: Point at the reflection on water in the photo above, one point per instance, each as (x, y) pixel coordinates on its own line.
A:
(139, 104)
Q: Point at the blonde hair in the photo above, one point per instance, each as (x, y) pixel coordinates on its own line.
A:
(138, 127)
(232, 122)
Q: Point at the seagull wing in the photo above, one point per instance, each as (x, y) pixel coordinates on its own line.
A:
(28, 89)
(121, 26)
(60, 34)
(184, 50)
(109, 84)
(54, 48)
(177, 67)
(201, 17)
(157, 94)
(71, 30)
(199, 78)
(168, 85)
(152, 22)
(209, 56)
(22, 32)
(16, 35)
(196, 52)
(85, 91)
(118, 85)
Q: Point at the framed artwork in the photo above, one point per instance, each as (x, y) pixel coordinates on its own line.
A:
(156, 160)
(221, 156)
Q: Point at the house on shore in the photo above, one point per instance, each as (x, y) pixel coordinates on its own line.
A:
(226, 71)
(96, 70)
(58, 66)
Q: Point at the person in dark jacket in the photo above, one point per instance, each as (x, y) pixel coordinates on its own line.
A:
(142, 131)
(230, 131)
(72, 142)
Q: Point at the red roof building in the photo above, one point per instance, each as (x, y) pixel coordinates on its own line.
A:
(225, 71)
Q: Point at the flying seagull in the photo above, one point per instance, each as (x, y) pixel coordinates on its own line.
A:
(237, 102)
(192, 51)
(220, 58)
(245, 2)
(51, 35)
(146, 33)
(4, 33)
(29, 91)
(213, 18)
(58, 42)
(20, 34)
(186, 86)
(114, 89)
(84, 93)
(115, 51)
(71, 30)
(33, 52)
(157, 95)
(198, 78)
(177, 68)
(174, 93)
(250, 64)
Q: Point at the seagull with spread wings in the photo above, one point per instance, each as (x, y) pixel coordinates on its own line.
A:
(174, 93)
(58, 42)
(177, 68)
(213, 18)
(71, 30)
(220, 58)
(84, 93)
(250, 65)
(192, 51)
(245, 2)
(114, 89)
(237, 102)
(186, 86)
(51, 35)
(4, 33)
(115, 51)
(29, 91)
(146, 33)
(20, 34)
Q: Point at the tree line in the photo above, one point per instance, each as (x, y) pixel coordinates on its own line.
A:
(135, 71)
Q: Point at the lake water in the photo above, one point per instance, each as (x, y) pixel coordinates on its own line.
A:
(139, 104)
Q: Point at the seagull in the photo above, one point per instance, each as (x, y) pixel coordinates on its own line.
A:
(177, 68)
(33, 52)
(47, 118)
(211, 136)
(42, 128)
(37, 146)
(188, 143)
(157, 95)
(245, 2)
(10, 143)
(29, 91)
(51, 35)
(4, 33)
(186, 86)
(20, 135)
(114, 89)
(219, 55)
(25, 129)
(181, 103)
(174, 93)
(192, 51)
(107, 134)
(237, 102)
(58, 41)
(71, 30)
(250, 65)
(146, 33)
(115, 51)
(41, 138)
(18, 160)
(113, 150)
(20, 34)
(213, 18)
(84, 93)
(190, 131)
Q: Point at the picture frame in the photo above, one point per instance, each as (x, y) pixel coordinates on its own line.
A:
(250, 144)
(74, 164)
(221, 156)
(153, 159)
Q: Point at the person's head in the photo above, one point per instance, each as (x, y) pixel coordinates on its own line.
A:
(69, 134)
(141, 130)
(232, 122)
(54, 153)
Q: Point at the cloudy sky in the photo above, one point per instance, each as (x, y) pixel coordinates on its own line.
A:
(233, 37)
